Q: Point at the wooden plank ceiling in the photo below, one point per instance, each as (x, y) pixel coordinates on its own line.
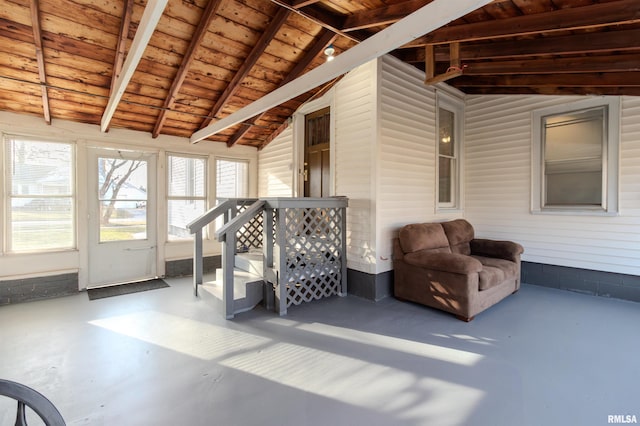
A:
(206, 59)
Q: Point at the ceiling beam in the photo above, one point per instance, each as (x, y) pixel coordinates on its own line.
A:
(555, 91)
(258, 49)
(42, 74)
(559, 45)
(580, 64)
(610, 79)
(326, 37)
(595, 15)
(150, 18)
(424, 20)
(206, 18)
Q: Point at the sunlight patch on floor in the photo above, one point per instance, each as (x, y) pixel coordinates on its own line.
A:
(436, 352)
(373, 386)
(193, 338)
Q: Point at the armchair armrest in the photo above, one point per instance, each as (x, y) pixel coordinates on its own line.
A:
(507, 250)
(446, 262)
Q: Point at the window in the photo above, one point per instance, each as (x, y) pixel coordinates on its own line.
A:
(187, 191)
(40, 190)
(449, 152)
(575, 157)
(232, 178)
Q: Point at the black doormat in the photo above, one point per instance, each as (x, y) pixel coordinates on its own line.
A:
(117, 290)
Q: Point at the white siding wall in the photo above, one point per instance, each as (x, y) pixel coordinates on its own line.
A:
(498, 187)
(355, 138)
(406, 154)
(275, 167)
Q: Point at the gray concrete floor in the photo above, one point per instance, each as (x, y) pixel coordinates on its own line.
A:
(163, 357)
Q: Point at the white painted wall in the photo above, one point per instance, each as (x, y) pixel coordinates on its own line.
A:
(355, 161)
(27, 265)
(276, 167)
(385, 156)
(498, 185)
(406, 160)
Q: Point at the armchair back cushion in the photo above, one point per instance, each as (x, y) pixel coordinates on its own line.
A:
(459, 234)
(423, 236)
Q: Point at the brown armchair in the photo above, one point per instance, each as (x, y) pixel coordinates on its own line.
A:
(443, 266)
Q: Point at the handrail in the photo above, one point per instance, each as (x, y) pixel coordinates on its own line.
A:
(238, 222)
(211, 215)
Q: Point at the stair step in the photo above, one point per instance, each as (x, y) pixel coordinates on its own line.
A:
(250, 261)
(247, 290)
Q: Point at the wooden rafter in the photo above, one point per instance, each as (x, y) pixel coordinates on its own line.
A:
(297, 4)
(321, 18)
(266, 37)
(187, 59)
(326, 37)
(611, 79)
(592, 16)
(150, 18)
(123, 36)
(424, 20)
(37, 39)
(575, 44)
(581, 64)
(382, 15)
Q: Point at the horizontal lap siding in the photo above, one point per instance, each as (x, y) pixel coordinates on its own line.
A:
(354, 142)
(275, 165)
(498, 188)
(406, 153)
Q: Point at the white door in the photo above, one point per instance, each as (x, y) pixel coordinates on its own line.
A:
(122, 217)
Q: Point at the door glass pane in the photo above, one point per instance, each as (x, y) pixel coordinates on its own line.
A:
(122, 192)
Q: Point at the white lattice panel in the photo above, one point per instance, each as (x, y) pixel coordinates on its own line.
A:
(313, 254)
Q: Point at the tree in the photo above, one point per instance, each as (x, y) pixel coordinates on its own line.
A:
(114, 182)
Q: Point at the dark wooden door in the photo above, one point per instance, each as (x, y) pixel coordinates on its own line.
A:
(317, 154)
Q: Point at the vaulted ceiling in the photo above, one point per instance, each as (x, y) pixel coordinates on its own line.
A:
(177, 66)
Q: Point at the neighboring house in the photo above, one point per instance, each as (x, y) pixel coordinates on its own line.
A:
(386, 155)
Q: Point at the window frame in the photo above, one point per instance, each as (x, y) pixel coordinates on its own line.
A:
(6, 216)
(455, 106)
(170, 197)
(610, 158)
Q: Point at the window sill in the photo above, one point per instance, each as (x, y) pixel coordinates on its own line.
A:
(574, 212)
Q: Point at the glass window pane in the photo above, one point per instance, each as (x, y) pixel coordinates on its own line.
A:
(186, 176)
(40, 183)
(186, 197)
(445, 180)
(182, 212)
(123, 199)
(446, 139)
(232, 179)
(41, 224)
(573, 158)
(40, 168)
(123, 220)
